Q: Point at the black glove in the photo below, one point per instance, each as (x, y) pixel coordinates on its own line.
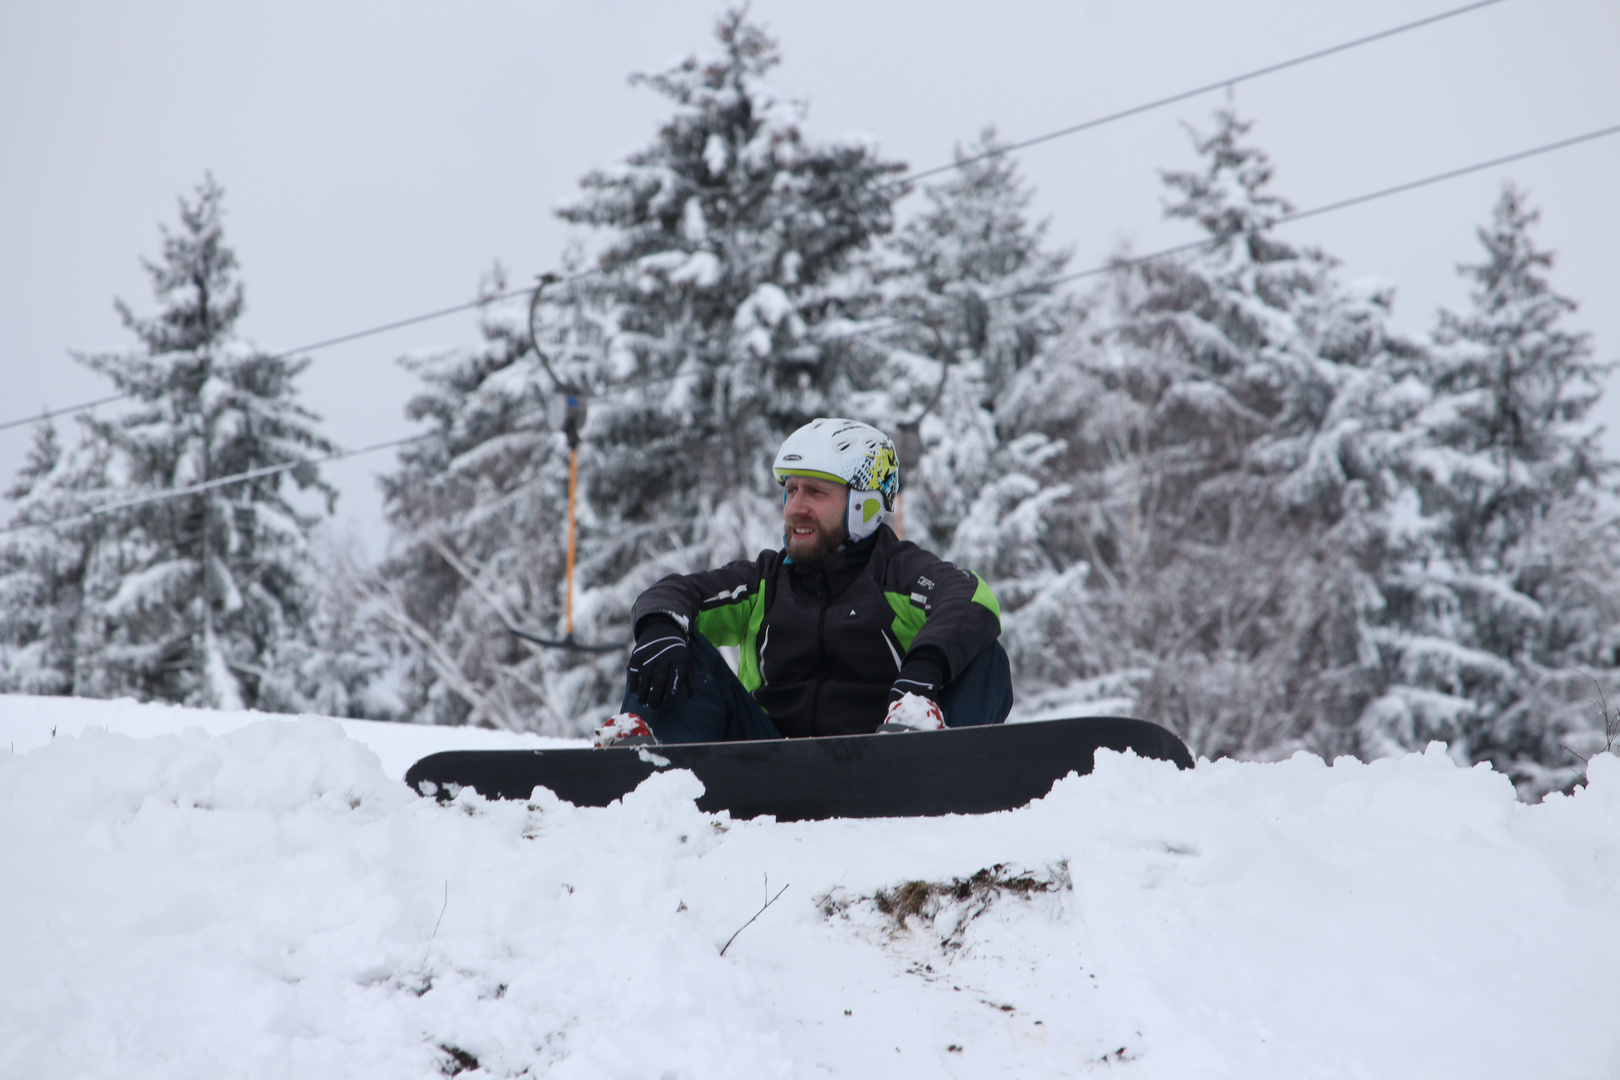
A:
(661, 663)
(923, 672)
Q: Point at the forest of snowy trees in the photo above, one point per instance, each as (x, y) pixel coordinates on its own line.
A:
(1215, 489)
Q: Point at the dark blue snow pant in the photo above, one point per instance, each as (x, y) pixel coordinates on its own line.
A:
(722, 710)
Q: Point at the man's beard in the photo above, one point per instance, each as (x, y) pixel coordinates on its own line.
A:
(810, 548)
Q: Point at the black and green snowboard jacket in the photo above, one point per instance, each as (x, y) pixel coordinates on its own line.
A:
(821, 642)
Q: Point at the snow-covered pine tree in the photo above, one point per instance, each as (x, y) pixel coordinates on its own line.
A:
(1504, 615)
(205, 598)
(43, 570)
(1224, 415)
(964, 281)
(730, 274)
(340, 669)
(478, 510)
(966, 277)
(729, 264)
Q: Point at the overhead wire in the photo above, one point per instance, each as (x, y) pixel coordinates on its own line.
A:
(47, 414)
(1116, 264)
(1220, 84)
(1126, 262)
(288, 354)
(166, 494)
(1043, 286)
(895, 182)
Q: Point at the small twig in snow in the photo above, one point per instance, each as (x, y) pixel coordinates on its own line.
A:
(441, 910)
(757, 914)
(824, 897)
(1611, 725)
(824, 901)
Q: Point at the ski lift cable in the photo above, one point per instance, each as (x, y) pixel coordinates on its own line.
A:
(48, 413)
(1192, 245)
(1115, 264)
(288, 354)
(209, 485)
(901, 181)
(1247, 76)
(1328, 208)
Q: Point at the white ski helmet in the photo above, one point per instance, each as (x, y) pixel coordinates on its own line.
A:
(846, 452)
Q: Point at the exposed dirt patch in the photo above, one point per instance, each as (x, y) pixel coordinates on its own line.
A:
(949, 907)
(914, 899)
(456, 1060)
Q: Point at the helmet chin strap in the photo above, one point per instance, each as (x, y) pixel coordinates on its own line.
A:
(866, 513)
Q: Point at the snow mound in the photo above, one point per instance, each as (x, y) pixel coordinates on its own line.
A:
(270, 901)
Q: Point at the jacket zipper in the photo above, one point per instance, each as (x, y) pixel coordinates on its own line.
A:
(821, 652)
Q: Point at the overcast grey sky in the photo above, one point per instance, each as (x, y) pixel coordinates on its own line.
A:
(379, 156)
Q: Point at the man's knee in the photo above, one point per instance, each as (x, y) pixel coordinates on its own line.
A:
(719, 708)
(982, 693)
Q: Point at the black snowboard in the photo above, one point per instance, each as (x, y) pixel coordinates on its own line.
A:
(970, 770)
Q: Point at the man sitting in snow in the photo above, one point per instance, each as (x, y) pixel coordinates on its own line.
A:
(845, 631)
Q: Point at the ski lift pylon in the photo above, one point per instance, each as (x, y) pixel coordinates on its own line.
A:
(573, 420)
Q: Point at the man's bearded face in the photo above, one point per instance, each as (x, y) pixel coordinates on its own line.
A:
(813, 517)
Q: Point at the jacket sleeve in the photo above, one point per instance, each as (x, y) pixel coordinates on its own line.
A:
(938, 605)
(716, 603)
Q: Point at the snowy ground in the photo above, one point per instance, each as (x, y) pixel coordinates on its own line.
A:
(191, 894)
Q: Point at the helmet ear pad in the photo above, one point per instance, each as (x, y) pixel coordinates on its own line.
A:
(867, 511)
